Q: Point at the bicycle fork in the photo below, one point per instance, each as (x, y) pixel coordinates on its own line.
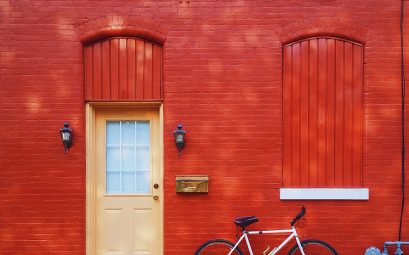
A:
(298, 241)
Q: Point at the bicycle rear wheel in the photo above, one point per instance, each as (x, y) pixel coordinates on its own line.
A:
(313, 247)
(217, 247)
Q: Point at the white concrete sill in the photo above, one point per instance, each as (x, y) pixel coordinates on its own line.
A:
(324, 194)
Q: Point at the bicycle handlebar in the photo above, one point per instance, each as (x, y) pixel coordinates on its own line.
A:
(299, 216)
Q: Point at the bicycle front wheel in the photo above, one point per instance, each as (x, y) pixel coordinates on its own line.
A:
(217, 247)
(313, 247)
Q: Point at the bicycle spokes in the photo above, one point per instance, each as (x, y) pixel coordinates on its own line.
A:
(314, 248)
(217, 247)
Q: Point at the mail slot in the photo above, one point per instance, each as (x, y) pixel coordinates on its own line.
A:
(191, 184)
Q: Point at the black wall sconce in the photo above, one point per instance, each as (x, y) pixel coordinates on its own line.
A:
(66, 136)
(179, 138)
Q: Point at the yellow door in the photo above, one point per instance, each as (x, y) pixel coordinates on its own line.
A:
(128, 182)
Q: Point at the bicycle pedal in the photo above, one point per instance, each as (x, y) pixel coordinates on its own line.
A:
(266, 250)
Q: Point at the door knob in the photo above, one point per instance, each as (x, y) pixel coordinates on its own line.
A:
(156, 186)
(155, 197)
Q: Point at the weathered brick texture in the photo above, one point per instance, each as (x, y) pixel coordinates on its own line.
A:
(222, 78)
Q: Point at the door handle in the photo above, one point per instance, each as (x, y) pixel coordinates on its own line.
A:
(155, 197)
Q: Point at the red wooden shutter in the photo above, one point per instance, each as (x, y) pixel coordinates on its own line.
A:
(123, 69)
(322, 111)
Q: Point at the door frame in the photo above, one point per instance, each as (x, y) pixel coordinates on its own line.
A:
(90, 110)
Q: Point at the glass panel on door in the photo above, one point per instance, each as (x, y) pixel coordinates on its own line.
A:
(128, 157)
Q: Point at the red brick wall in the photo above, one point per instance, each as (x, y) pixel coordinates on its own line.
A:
(222, 73)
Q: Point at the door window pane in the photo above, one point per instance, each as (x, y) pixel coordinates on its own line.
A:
(142, 129)
(128, 182)
(113, 157)
(113, 133)
(113, 182)
(128, 132)
(142, 178)
(128, 157)
(142, 152)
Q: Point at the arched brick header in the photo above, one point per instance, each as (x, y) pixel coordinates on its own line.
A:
(329, 26)
(313, 38)
(122, 58)
(124, 26)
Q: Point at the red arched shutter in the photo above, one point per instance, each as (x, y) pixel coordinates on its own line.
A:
(322, 101)
(123, 69)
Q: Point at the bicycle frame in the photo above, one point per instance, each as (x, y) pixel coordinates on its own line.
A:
(292, 232)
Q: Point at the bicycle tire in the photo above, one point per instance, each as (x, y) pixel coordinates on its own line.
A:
(312, 247)
(217, 247)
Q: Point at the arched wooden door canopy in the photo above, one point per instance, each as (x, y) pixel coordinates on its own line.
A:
(322, 113)
(123, 69)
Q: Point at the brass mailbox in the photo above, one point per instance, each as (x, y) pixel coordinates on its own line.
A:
(192, 184)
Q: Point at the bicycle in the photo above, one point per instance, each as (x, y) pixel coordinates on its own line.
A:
(302, 247)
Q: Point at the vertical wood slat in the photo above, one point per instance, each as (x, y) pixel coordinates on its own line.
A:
(313, 112)
(358, 116)
(287, 134)
(330, 128)
(339, 114)
(304, 166)
(324, 84)
(114, 69)
(123, 74)
(97, 70)
(131, 69)
(140, 61)
(125, 69)
(106, 72)
(88, 73)
(147, 74)
(322, 107)
(295, 114)
(348, 104)
(157, 59)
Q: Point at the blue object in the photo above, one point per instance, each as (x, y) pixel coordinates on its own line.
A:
(376, 251)
(372, 251)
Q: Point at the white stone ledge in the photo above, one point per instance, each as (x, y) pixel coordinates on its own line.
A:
(324, 194)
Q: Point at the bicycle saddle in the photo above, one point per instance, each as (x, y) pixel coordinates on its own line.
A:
(245, 221)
